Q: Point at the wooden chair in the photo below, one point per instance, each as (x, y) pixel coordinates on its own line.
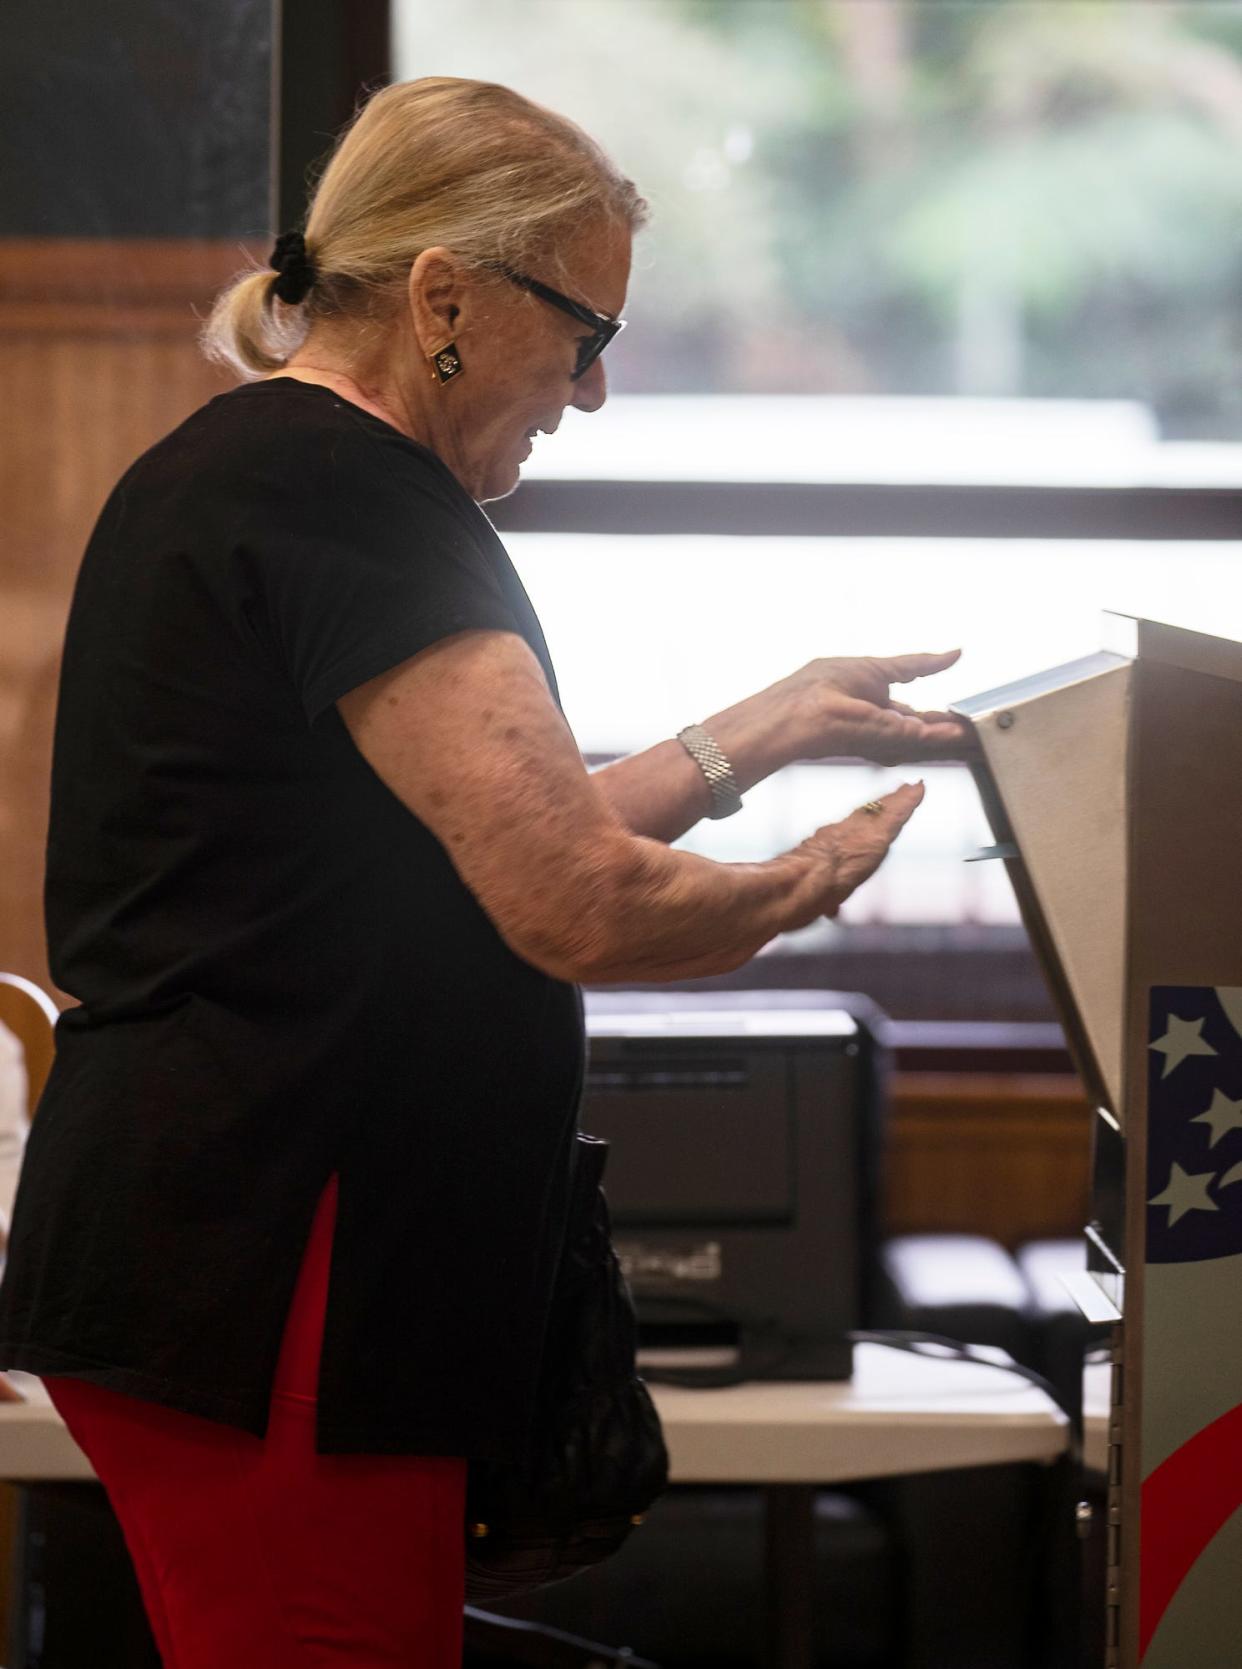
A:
(30, 1014)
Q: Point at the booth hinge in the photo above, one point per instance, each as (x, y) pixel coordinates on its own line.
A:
(1112, 1516)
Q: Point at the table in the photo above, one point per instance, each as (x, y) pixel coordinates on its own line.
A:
(900, 1414)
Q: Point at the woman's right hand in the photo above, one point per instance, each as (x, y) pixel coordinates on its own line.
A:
(847, 853)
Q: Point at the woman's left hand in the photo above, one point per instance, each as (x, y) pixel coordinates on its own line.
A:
(841, 708)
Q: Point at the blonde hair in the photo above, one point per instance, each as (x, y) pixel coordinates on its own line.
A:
(469, 165)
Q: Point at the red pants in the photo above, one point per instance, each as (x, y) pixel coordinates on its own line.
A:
(262, 1554)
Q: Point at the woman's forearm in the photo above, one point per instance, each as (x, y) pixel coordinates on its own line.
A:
(634, 910)
(661, 792)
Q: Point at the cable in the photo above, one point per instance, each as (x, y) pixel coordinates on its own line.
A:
(765, 1364)
(748, 1369)
(752, 1363)
(757, 1363)
(955, 1350)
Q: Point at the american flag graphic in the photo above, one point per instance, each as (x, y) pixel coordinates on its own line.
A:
(1190, 1536)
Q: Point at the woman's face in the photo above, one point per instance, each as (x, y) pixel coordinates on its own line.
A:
(518, 354)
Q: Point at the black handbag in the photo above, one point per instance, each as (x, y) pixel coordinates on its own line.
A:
(597, 1460)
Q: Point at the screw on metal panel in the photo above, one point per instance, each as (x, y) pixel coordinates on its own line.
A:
(1005, 720)
(1084, 1515)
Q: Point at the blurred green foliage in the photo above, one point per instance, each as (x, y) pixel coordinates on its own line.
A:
(1038, 197)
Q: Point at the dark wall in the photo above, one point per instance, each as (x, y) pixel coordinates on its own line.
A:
(135, 118)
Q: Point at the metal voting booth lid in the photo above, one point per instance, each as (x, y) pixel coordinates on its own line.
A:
(1055, 785)
(1128, 638)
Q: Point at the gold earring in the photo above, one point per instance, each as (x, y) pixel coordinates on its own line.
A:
(445, 363)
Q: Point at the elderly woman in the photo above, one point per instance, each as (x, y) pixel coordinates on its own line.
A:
(325, 869)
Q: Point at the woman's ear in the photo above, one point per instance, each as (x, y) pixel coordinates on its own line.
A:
(436, 294)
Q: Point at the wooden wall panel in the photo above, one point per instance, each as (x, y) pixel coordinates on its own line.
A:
(99, 359)
(1003, 1156)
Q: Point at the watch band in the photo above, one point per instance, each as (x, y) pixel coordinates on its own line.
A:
(706, 753)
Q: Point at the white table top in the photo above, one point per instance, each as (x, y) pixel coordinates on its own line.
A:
(899, 1414)
(34, 1444)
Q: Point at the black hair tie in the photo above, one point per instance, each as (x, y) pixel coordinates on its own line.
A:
(295, 268)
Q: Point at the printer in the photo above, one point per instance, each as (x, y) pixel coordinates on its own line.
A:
(742, 1179)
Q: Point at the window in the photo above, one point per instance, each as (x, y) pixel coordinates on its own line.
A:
(1008, 197)
(933, 340)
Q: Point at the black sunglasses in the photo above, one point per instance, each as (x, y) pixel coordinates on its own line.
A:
(602, 328)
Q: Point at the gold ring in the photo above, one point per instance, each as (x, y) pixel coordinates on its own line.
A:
(873, 806)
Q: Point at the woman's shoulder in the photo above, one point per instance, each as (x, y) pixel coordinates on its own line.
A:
(286, 418)
(288, 459)
(284, 432)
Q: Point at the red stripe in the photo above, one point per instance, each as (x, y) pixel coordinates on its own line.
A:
(1185, 1501)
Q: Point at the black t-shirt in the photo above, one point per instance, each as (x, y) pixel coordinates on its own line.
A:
(280, 973)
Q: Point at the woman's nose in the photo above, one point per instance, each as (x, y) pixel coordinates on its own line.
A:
(591, 389)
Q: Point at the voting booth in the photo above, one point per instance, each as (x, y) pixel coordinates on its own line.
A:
(1113, 786)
